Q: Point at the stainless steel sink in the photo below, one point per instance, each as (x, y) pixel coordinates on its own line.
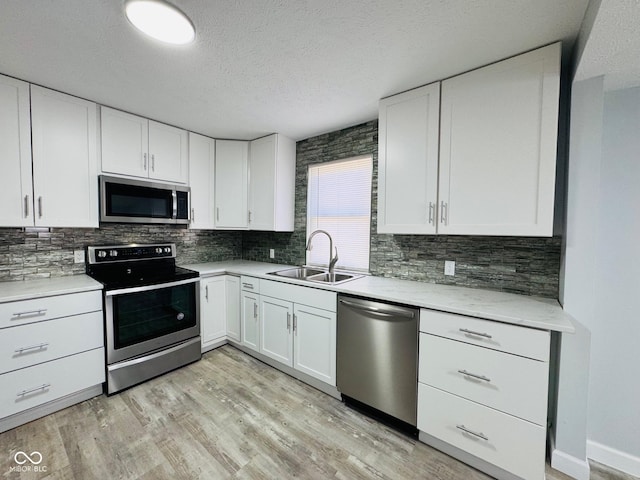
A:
(315, 275)
(301, 273)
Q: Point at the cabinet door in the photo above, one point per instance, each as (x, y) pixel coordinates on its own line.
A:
(250, 327)
(202, 156)
(15, 152)
(65, 160)
(168, 153)
(314, 340)
(233, 307)
(272, 171)
(408, 161)
(498, 147)
(231, 183)
(125, 142)
(276, 319)
(213, 311)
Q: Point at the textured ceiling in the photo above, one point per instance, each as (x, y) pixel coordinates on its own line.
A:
(613, 46)
(260, 66)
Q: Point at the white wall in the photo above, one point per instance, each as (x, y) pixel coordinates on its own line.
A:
(601, 362)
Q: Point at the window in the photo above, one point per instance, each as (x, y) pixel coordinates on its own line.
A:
(339, 201)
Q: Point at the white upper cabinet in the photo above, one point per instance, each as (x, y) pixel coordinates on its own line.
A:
(15, 154)
(408, 161)
(65, 160)
(498, 147)
(231, 184)
(202, 155)
(135, 146)
(272, 172)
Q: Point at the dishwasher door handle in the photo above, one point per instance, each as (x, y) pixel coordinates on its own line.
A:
(386, 311)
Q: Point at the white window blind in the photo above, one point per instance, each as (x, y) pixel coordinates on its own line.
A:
(339, 201)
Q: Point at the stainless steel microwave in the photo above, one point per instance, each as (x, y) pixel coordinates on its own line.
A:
(123, 200)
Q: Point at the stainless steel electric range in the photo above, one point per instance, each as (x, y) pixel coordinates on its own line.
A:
(151, 311)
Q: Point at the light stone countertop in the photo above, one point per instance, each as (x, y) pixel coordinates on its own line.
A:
(535, 312)
(46, 287)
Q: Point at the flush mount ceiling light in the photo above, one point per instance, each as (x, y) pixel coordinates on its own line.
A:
(161, 21)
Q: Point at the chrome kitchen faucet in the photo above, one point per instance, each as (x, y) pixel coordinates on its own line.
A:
(332, 259)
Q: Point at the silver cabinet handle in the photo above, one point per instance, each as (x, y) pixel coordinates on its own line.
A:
(255, 310)
(40, 207)
(206, 292)
(153, 162)
(444, 212)
(193, 215)
(40, 346)
(42, 387)
(471, 432)
(473, 375)
(288, 320)
(477, 334)
(432, 209)
(218, 213)
(295, 322)
(30, 313)
(247, 285)
(249, 216)
(26, 206)
(144, 161)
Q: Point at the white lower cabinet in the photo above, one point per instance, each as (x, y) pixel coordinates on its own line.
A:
(483, 389)
(51, 354)
(219, 310)
(275, 329)
(250, 325)
(314, 345)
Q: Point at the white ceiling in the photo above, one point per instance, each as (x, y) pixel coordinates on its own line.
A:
(613, 46)
(296, 67)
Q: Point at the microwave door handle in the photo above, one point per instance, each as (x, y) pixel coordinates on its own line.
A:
(174, 197)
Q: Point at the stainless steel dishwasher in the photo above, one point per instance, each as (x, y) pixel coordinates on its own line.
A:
(377, 362)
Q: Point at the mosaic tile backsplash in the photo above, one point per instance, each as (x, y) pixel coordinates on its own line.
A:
(524, 265)
(26, 255)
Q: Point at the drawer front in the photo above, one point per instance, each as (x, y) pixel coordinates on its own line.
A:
(33, 386)
(40, 342)
(510, 443)
(506, 382)
(13, 314)
(250, 284)
(313, 297)
(527, 342)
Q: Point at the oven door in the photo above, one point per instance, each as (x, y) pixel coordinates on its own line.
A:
(143, 319)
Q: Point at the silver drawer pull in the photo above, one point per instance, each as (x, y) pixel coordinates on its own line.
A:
(247, 285)
(477, 334)
(41, 311)
(40, 346)
(471, 432)
(42, 387)
(473, 375)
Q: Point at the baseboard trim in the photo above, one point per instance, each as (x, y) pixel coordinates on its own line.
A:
(613, 458)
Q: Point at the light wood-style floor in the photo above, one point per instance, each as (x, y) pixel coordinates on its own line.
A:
(227, 416)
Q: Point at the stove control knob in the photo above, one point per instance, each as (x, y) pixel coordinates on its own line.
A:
(167, 249)
(158, 250)
(113, 253)
(102, 253)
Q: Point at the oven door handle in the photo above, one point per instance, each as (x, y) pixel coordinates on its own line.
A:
(146, 288)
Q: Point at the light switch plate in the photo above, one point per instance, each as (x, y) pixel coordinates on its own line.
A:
(272, 253)
(449, 267)
(78, 256)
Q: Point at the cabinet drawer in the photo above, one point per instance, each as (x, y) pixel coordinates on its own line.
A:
(510, 443)
(13, 314)
(33, 386)
(313, 297)
(250, 284)
(40, 342)
(523, 341)
(506, 382)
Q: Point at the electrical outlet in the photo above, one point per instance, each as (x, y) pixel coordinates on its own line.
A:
(449, 267)
(272, 253)
(78, 256)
